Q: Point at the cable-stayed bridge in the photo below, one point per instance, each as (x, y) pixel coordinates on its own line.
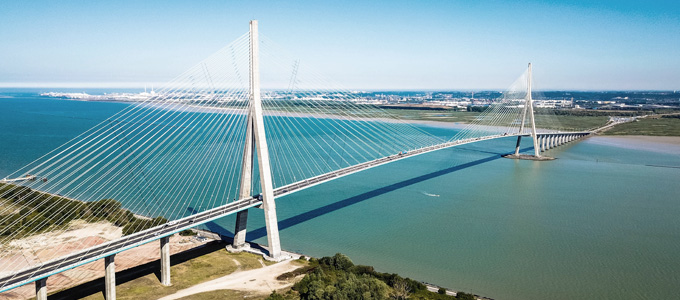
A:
(215, 142)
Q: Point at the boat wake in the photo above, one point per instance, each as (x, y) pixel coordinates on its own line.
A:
(430, 195)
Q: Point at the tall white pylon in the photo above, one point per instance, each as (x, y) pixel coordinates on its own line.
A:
(528, 105)
(255, 136)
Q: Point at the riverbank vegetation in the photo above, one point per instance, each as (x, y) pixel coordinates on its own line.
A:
(26, 212)
(549, 119)
(337, 277)
(667, 125)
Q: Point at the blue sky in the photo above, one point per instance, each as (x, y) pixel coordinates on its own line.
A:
(573, 45)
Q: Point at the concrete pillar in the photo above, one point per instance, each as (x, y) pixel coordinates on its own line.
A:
(530, 102)
(544, 142)
(165, 261)
(41, 289)
(110, 278)
(519, 141)
(240, 229)
(246, 186)
(266, 182)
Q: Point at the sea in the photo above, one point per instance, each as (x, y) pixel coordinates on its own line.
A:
(602, 221)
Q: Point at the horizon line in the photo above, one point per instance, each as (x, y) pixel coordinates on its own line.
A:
(159, 85)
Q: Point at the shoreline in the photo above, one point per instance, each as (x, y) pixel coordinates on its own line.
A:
(651, 143)
(259, 249)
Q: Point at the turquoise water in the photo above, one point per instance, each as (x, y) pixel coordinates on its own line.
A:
(597, 222)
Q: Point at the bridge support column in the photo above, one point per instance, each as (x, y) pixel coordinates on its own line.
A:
(239, 242)
(165, 261)
(530, 103)
(41, 289)
(519, 141)
(544, 141)
(110, 278)
(266, 182)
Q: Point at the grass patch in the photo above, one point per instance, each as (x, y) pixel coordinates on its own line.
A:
(547, 120)
(189, 273)
(648, 126)
(7, 208)
(570, 123)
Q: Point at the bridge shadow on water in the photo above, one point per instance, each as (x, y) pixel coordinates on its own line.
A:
(315, 213)
(97, 286)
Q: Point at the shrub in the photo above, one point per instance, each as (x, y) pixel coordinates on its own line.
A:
(339, 261)
(465, 296)
(187, 232)
(275, 296)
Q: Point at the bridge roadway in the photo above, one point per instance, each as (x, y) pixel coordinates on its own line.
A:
(100, 251)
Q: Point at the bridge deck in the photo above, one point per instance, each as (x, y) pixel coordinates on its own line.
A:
(139, 238)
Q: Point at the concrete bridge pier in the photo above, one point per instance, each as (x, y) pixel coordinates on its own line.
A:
(544, 142)
(519, 141)
(41, 289)
(165, 261)
(110, 278)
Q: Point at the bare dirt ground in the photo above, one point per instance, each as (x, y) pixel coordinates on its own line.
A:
(260, 281)
(18, 254)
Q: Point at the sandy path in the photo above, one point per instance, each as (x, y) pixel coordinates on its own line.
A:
(262, 280)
